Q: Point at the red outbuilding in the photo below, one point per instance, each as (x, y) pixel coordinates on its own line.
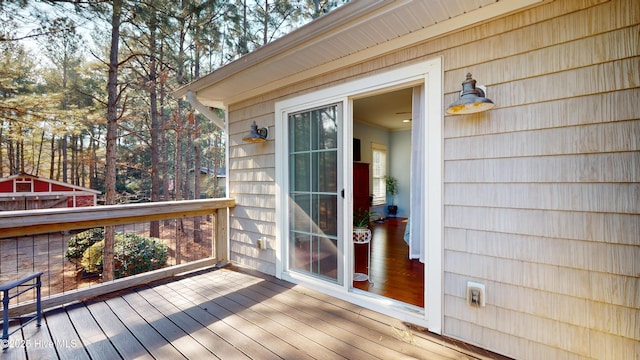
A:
(25, 192)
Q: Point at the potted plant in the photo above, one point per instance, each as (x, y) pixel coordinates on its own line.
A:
(392, 188)
(361, 231)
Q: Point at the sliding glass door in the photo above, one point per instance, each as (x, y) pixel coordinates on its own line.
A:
(314, 246)
(314, 133)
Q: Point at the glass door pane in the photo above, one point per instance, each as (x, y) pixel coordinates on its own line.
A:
(313, 192)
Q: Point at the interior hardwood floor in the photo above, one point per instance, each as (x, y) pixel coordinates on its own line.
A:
(392, 273)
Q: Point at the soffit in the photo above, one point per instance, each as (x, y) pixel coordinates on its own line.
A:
(353, 33)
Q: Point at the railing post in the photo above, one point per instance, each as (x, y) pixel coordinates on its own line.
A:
(220, 236)
(38, 301)
(5, 319)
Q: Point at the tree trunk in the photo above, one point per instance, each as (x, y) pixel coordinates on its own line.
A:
(93, 162)
(112, 129)
(13, 160)
(59, 166)
(163, 139)
(74, 160)
(21, 152)
(188, 194)
(81, 167)
(1, 158)
(53, 156)
(196, 178)
(177, 186)
(265, 36)
(39, 154)
(154, 228)
(10, 156)
(197, 232)
(244, 44)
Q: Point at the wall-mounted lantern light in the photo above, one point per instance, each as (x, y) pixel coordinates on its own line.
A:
(472, 99)
(257, 134)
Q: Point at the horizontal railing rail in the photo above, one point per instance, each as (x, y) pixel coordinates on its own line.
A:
(30, 222)
(33, 239)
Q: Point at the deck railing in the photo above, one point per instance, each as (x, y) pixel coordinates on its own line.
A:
(190, 234)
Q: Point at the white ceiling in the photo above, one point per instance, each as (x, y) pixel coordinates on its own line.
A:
(386, 110)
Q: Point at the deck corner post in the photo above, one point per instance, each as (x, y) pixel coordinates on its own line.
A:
(220, 236)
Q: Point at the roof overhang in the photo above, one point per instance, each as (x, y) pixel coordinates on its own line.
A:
(351, 34)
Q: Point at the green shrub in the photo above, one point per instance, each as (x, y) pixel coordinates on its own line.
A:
(133, 254)
(92, 258)
(79, 243)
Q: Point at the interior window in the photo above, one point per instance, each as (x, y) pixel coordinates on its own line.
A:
(379, 167)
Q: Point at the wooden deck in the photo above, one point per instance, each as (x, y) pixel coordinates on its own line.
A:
(226, 313)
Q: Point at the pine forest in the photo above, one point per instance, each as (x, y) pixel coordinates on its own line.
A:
(85, 89)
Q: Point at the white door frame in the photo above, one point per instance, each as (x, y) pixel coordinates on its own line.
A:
(430, 73)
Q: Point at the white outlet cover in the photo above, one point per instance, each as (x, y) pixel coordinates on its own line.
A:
(474, 286)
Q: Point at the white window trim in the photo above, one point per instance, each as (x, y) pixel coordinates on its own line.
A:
(430, 73)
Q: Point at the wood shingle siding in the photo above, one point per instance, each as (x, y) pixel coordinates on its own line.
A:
(542, 193)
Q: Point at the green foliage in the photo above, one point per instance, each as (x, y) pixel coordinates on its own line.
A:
(53, 84)
(16, 75)
(362, 218)
(79, 243)
(133, 254)
(92, 258)
(392, 187)
(136, 254)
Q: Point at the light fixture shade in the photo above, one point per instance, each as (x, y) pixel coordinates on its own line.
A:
(257, 134)
(472, 99)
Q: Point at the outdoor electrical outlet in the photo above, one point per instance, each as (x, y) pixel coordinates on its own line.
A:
(262, 243)
(475, 294)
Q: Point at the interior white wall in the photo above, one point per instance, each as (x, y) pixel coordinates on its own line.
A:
(399, 166)
(398, 144)
(368, 134)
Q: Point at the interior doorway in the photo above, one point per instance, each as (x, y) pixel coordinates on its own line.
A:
(382, 132)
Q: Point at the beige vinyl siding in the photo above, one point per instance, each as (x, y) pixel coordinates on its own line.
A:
(541, 194)
(251, 183)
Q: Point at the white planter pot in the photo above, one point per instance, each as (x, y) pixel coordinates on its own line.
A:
(361, 235)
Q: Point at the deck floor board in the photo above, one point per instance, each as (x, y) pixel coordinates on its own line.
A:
(203, 335)
(242, 320)
(227, 313)
(119, 336)
(246, 344)
(90, 333)
(15, 351)
(343, 336)
(314, 342)
(64, 336)
(37, 340)
(155, 344)
(189, 347)
(370, 336)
